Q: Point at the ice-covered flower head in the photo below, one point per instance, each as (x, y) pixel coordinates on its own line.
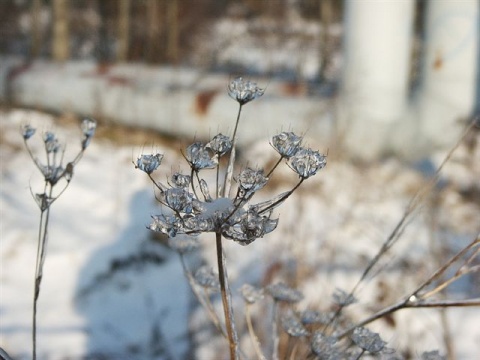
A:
(88, 128)
(244, 91)
(286, 144)
(306, 162)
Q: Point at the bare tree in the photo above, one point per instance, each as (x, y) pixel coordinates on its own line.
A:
(173, 30)
(123, 30)
(61, 44)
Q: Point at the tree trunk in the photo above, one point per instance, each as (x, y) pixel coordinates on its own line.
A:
(172, 21)
(153, 42)
(123, 30)
(61, 43)
(36, 29)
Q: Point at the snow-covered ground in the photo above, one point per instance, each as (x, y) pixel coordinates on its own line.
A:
(94, 304)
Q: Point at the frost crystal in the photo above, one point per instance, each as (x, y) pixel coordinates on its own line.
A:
(249, 226)
(166, 224)
(314, 317)
(178, 199)
(367, 340)
(199, 158)
(282, 292)
(251, 294)
(51, 142)
(306, 162)
(251, 180)
(244, 91)
(324, 347)
(27, 131)
(207, 278)
(293, 326)
(286, 144)
(88, 128)
(220, 144)
(180, 180)
(149, 163)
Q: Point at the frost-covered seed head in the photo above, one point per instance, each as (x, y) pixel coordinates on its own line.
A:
(51, 142)
(367, 340)
(248, 226)
(207, 278)
(199, 157)
(28, 131)
(325, 347)
(165, 224)
(179, 200)
(286, 144)
(293, 326)
(244, 91)
(283, 292)
(251, 294)
(252, 180)
(149, 163)
(88, 128)
(314, 317)
(220, 144)
(306, 162)
(181, 181)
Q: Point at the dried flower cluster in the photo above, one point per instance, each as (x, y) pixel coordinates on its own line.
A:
(196, 208)
(53, 170)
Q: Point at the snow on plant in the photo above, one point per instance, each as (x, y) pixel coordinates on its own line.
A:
(56, 174)
(196, 207)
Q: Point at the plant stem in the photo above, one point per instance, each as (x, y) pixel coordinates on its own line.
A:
(41, 254)
(226, 299)
(231, 161)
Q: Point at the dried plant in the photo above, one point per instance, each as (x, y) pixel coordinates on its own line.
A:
(56, 175)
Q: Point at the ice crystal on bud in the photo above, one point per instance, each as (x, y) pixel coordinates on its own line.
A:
(293, 326)
(180, 180)
(207, 278)
(149, 163)
(286, 144)
(28, 131)
(251, 294)
(88, 128)
(166, 224)
(249, 226)
(252, 180)
(325, 347)
(199, 157)
(306, 162)
(283, 292)
(220, 144)
(179, 200)
(367, 340)
(244, 91)
(51, 142)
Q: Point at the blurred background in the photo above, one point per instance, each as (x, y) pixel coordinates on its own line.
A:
(400, 75)
(371, 82)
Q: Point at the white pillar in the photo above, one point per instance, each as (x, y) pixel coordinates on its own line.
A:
(448, 90)
(378, 36)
